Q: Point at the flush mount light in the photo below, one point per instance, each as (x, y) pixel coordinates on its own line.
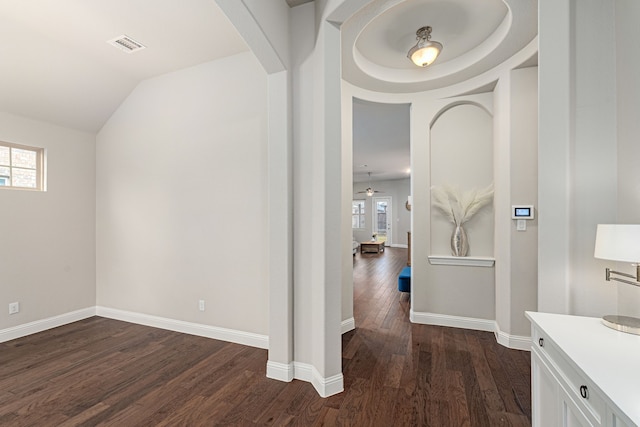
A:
(425, 51)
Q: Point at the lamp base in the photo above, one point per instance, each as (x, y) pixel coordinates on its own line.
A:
(630, 325)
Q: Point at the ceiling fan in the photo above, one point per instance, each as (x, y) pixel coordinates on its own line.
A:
(369, 191)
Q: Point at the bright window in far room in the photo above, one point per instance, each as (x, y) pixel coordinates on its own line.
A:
(21, 167)
(357, 214)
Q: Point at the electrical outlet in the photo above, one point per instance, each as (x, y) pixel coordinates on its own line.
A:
(201, 305)
(14, 307)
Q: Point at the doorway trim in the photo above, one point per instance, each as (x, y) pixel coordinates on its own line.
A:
(374, 220)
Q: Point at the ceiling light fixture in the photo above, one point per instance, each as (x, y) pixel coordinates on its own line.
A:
(369, 191)
(425, 51)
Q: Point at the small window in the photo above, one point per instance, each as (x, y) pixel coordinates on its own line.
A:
(21, 167)
(357, 214)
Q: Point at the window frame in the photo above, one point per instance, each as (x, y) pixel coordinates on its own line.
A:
(361, 214)
(40, 166)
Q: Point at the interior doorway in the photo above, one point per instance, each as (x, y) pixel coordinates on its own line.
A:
(381, 163)
(382, 217)
(381, 135)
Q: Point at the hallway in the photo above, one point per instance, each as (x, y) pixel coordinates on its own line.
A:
(399, 373)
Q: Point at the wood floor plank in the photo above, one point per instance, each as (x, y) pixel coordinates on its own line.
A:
(103, 372)
(457, 398)
(272, 411)
(484, 376)
(327, 418)
(85, 415)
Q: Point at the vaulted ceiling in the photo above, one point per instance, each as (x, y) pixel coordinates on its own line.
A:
(56, 65)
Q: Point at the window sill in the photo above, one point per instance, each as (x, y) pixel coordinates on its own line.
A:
(461, 261)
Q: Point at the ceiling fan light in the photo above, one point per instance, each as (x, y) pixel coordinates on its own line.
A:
(425, 52)
(369, 191)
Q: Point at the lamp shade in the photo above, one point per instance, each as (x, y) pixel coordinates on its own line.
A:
(425, 52)
(618, 242)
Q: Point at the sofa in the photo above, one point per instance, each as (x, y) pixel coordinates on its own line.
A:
(355, 245)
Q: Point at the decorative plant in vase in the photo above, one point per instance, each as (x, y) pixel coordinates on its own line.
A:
(459, 208)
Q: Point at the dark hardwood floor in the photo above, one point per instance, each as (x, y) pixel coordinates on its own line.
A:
(105, 372)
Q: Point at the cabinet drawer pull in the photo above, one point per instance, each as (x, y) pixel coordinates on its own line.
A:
(541, 342)
(584, 392)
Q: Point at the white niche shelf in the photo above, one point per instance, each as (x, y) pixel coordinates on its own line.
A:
(468, 261)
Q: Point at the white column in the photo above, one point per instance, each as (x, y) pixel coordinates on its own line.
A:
(279, 365)
(555, 137)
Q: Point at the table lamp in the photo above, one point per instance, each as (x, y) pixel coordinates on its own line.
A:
(620, 242)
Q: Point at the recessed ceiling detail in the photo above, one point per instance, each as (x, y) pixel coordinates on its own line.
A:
(476, 35)
(126, 44)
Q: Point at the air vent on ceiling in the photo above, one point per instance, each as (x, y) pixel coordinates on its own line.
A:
(126, 44)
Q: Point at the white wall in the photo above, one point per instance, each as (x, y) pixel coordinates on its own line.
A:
(265, 26)
(627, 14)
(305, 186)
(578, 153)
(47, 255)
(320, 193)
(445, 292)
(593, 171)
(462, 157)
(181, 197)
(398, 190)
(524, 191)
(317, 195)
(516, 170)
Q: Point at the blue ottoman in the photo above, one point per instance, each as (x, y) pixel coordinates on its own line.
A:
(404, 280)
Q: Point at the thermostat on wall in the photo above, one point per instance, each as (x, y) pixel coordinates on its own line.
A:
(522, 212)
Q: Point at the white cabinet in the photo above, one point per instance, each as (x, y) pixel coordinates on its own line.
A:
(570, 413)
(544, 394)
(578, 377)
(552, 405)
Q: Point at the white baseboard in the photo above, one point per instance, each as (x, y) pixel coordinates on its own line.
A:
(215, 332)
(44, 324)
(399, 245)
(515, 342)
(348, 325)
(324, 386)
(452, 321)
(305, 372)
(280, 371)
(327, 386)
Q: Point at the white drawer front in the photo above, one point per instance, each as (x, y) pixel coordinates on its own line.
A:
(582, 390)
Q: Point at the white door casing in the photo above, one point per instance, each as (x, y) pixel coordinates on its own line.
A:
(382, 214)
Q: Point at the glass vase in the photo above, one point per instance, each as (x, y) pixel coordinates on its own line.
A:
(459, 242)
